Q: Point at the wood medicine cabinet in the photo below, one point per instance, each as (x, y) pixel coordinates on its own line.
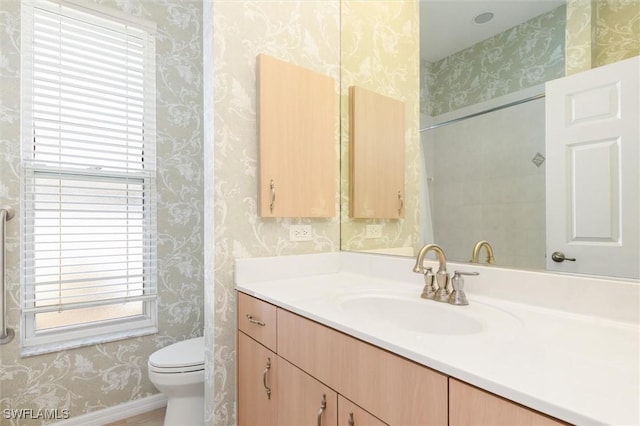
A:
(376, 162)
(297, 138)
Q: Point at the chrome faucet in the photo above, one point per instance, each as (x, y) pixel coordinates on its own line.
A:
(475, 257)
(441, 294)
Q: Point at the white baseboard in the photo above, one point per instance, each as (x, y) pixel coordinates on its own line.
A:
(117, 412)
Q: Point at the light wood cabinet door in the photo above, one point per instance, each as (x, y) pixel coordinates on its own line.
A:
(349, 414)
(257, 373)
(303, 400)
(298, 140)
(394, 389)
(470, 406)
(376, 159)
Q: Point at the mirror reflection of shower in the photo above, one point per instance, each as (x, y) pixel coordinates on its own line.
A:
(484, 175)
(485, 180)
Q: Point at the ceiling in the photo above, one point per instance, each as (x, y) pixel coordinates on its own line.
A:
(447, 26)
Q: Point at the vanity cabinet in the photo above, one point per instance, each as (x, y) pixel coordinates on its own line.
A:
(395, 390)
(317, 373)
(272, 391)
(470, 406)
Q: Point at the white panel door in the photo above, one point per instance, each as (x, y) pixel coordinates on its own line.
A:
(592, 178)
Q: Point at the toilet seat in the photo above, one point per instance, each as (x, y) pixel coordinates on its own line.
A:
(182, 357)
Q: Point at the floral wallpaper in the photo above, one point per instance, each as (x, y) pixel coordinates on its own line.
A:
(601, 32)
(301, 32)
(94, 377)
(380, 52)
(578, 36)
(617, 31)
(523, 56)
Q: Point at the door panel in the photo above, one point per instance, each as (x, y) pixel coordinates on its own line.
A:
(593, 183)
(257, 383)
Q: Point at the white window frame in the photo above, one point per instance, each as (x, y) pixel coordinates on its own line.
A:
(88, 333)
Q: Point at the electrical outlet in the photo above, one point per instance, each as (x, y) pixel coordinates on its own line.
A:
(373, 231)
(300, 233)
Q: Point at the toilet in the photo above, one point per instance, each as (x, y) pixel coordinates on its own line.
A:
(177, 371)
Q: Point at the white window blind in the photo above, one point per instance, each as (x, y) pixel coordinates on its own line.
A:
(88, 151)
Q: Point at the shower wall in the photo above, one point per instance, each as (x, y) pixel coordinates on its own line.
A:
(484, 185)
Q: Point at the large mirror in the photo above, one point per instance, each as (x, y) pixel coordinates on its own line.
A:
(477, 169)
(483, 127)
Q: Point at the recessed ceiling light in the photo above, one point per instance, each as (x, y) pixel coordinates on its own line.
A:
(483, 18)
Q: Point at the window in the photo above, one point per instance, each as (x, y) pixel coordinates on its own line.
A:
(88, 177)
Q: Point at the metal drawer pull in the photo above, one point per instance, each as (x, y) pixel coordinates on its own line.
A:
(272, 186)
(401, 201)
(255, 321)
(323, 406)
(351, 422)
(264, 378)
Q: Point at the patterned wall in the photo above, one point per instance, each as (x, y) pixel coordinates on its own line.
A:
(578, 36)
(302, 32)
(523, 56)
(601, 32)
(94, 377)
(617, 31)
(380, 52)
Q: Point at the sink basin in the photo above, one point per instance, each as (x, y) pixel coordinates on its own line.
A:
(415, 314)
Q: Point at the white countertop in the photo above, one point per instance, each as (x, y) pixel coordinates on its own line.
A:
(554, 358)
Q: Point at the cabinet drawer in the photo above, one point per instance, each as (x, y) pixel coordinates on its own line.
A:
(257, 319)
(394, 389)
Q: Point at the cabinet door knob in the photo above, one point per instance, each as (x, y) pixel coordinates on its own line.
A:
(350, 421)
(323, 406)
(264, 378)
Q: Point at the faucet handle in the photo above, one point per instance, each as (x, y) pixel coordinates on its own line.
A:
(429, 284)
(457, 296)
(443, 292)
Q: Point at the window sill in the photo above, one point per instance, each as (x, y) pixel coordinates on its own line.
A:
(40, 349)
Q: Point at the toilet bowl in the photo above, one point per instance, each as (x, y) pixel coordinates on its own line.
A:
(177, 371)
